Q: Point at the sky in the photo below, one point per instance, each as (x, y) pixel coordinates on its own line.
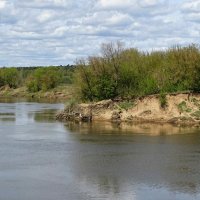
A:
(57, 32)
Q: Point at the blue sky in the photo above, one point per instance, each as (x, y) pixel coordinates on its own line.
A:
(57, 32)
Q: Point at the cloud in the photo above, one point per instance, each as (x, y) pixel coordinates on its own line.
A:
(2, 4)
(44, 4)
(54, 32)
(115, 4)
(45, 16)
(191, 6)
(150, 3)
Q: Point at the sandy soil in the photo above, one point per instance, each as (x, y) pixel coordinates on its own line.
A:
(180, 108)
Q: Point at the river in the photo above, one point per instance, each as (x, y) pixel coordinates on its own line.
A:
(42, 159)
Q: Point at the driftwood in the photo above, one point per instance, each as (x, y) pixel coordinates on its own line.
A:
(73, 116)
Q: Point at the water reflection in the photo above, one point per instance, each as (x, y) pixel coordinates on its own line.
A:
(47, 115)
(110, 128)
(44, 159)
(28, 112)
(29, 99)
(132, 158)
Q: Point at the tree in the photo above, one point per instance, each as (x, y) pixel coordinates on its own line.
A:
(10, 76)
(43, 79)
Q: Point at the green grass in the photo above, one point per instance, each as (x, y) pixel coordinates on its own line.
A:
(182, 107)
(196, 102)
(125, 105)
(196, 114)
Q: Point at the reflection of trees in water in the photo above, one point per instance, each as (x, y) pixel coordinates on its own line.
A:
(102, 185)
(47, 115)
(129, 128)
(112, 159)
(10, 117)
(185, 187)
(7, 119)
(109, 185)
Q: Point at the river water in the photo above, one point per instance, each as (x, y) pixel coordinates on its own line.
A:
(42, 159)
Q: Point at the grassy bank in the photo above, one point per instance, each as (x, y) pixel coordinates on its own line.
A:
(62, 93)
(37, 82)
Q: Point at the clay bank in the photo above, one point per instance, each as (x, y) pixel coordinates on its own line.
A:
(182, 108)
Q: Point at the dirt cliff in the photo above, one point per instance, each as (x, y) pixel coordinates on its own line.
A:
(179, 108)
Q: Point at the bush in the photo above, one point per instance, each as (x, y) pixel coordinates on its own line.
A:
(132, 73)
(149, 86)
(163, 100)
(43, 79)
(70, 105)
(9, 76)
(32, 85)
(106, 87)
(126, 105)
(182, 107)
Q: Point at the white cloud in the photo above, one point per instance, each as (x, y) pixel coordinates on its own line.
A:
(45, 16)
(116, 3)
(119, 19)
(53, 32)
(2, 4)
(191, 6)
(147, 3)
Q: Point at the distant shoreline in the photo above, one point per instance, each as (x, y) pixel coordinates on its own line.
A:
(60, 93)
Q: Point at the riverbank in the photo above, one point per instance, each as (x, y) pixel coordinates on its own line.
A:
(60, 93)
(179, 108)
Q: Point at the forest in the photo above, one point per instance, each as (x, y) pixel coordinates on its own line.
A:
(36, 78)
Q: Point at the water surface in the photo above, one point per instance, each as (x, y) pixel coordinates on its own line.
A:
(41, 159)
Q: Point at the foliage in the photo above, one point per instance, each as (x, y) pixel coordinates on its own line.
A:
(117, 72)
(43, 79)
(163, 100)
(105, 87)
(182, 107)
(133, 73)
(196, 114)
(70, 105)
(32, 85)
(196, 102)
(36, 78)
(126, 105)
(9, 76)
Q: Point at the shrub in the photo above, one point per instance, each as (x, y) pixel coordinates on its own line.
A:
(9, 76)
(106, 87)
(163, 100)
(131, 73)
(43, 79)
(71, 104)
(32, 85)
(196, 114)
(183, 107)
(126, 105)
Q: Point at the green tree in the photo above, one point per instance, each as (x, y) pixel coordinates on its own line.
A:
(10, 76)
(43, 79)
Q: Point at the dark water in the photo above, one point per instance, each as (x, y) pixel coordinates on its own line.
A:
(41, 159)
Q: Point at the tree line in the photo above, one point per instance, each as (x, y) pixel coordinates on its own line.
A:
(116, 72)
(36, 78)
(129, 72)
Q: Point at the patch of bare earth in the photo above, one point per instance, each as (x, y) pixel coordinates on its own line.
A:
(180, 109)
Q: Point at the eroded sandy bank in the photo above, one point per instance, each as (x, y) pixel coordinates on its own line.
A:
(180, 109)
